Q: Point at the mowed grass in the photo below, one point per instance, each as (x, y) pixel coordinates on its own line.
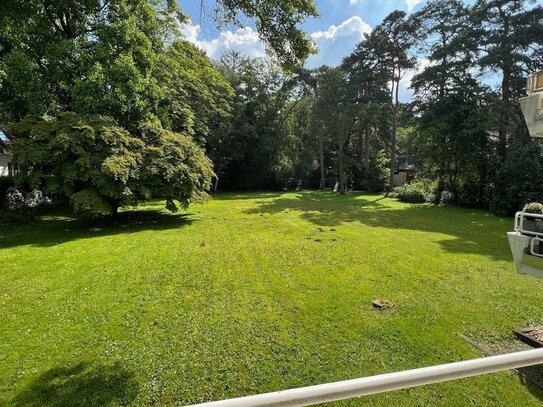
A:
(245, 294)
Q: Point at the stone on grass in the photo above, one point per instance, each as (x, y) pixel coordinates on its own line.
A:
(381, 304)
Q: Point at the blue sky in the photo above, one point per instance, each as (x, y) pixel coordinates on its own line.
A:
(341, 26)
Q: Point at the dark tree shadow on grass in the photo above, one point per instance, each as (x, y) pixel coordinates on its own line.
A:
(79, 385)
(238, 196)
(54, 229)
(469, 230)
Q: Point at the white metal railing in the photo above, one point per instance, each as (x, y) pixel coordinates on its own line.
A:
(322, 393)
(520, 219)
(533, 241)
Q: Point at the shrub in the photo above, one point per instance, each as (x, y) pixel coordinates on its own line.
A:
(446, 198)
(409, 193)
(5, 184)
(418, 191)
(533, 207)
(18, 200)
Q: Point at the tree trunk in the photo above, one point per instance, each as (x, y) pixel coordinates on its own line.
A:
(504, 113)
(367, 158)
(321, 163)
(115, 210)
(395, 86)
(342, 186)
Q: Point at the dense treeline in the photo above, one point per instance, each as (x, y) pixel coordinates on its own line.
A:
(104, 104)
(463, 129)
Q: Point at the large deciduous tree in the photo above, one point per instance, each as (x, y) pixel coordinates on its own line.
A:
(100, 166)
(104, 70)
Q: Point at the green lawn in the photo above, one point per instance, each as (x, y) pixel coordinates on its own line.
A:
(245, 295)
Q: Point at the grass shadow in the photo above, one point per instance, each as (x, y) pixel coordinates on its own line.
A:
(82, 384)
(468, 230)
(54, 229)
(238, 196)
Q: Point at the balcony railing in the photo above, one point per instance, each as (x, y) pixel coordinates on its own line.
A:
(322, 393)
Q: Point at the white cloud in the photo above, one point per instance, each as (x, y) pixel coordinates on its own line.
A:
(411, 4)
(334, 43)
(352, 26)
(337, 41)
(245, 40)
(190, 32)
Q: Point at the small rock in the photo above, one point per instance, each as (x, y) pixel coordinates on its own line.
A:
(320, 229)
(202, 244)
(332, 230)
(382, 304)
(317, 240)
(334, 240)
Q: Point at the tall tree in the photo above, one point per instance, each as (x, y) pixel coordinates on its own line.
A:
(337, 116)
(367, 73)
(508, 33)
(394, 38)
(449, 101)
(258, 146)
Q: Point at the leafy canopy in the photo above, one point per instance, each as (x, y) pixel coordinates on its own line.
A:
(100, 166)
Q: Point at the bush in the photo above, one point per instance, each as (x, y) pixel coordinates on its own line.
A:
(446, 198)
(20, 207)
(18, 200)
(5, 184)
(418, 191)
(533, 207)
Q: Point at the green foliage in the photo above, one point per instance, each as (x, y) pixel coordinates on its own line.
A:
(277, 24)
(376, 180)
(90, 201)
(419, 191)
(86, 56)
(196, 97)
(510, 35)
(5, 184)
(258, 150)
(174, 167)
(99, 166)
(519, 180)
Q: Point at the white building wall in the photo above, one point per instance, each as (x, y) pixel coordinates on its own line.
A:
(4, 161)
(400, 179)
